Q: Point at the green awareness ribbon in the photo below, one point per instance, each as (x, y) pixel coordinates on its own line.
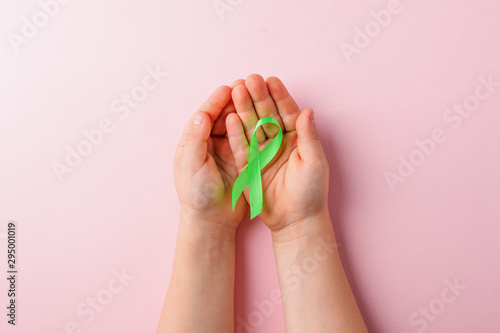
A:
(256, 162)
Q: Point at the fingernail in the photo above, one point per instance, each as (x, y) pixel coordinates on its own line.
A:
(312, 115)
(198, 119)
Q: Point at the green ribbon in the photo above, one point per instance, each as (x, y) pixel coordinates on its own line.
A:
(256, 162)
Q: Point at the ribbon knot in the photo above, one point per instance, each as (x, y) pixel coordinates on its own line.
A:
(256, 162)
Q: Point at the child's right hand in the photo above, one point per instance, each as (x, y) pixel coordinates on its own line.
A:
(295, 183)
(205, 170)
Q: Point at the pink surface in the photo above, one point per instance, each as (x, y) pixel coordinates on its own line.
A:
(403, 245)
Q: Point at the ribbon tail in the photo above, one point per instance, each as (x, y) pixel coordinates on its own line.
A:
(255, 180)
(255, 189)
(239, 186)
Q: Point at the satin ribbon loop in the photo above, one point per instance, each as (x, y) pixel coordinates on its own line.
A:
(256, 162)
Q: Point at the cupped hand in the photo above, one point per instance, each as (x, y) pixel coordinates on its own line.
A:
(204, 167)
(295, 182)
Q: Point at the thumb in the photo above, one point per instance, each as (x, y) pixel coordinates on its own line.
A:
(192, 148)
(308, 143)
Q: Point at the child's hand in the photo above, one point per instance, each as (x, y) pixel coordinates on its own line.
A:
(295, 183)
(204, 167)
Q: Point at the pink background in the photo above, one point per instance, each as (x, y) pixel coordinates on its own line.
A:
(118, 209)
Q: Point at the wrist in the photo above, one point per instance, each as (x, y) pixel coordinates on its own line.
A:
(311, 226)
(204, 230)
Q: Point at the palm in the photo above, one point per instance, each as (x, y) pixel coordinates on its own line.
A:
(221, 174)
(286, 185)
(278, 184)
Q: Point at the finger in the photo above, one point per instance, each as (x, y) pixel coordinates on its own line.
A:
(220, 124)
(237, 82)
(263, 103)
(237, 141)
(214, 105)
(219, 128)
(287, 107)
(193, 144)
(308, 144)
(246, 112)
